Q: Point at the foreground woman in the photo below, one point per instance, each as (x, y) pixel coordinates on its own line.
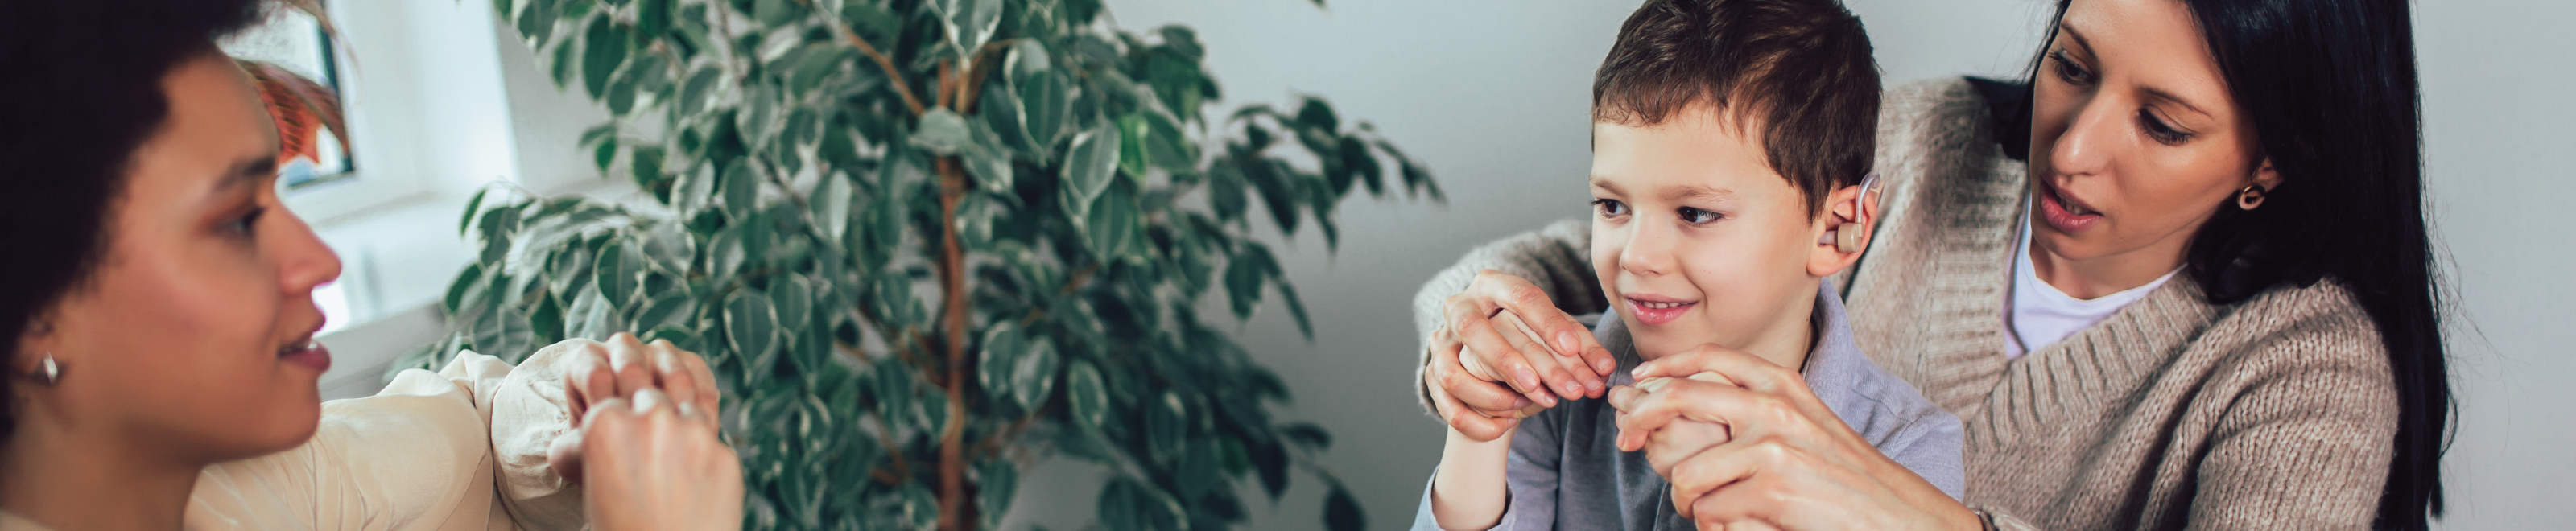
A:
(2180, 280)
(157, 301)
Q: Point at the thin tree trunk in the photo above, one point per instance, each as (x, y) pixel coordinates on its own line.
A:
(953, 501)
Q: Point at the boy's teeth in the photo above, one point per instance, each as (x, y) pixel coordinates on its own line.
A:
(1659, 305)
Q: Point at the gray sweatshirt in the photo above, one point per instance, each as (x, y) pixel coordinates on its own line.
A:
(1566, 470)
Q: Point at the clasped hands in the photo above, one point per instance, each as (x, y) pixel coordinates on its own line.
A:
(645, 442)
(1743, 442)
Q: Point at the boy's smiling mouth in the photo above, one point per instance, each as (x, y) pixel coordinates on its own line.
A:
(1653, 310)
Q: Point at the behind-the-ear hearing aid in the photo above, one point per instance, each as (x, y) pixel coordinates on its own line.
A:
(1847, 237)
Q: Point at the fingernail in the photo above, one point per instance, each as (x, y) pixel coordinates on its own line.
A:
(1604, 365)
(1565, 342)
(1641, 369)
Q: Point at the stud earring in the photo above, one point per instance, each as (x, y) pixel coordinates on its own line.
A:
(2250, 196)
(53, 371)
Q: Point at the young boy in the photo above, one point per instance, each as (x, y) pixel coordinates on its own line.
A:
(1730, 141)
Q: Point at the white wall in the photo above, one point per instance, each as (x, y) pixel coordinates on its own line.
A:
(1493, 94)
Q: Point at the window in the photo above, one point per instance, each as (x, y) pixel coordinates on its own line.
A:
(297, 65)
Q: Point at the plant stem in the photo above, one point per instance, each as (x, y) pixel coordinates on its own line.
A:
(901, 87)
(952, 269)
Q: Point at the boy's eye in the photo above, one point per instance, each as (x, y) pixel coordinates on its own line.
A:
(1609, 207)
(1696, 216)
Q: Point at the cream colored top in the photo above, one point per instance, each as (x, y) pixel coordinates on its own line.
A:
(460, 449)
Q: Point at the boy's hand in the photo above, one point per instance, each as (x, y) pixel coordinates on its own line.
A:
(1458, 373)
(1682, 437)
(1553, 358)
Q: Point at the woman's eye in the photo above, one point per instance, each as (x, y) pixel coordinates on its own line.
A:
(1696, 216)
(244, 224)
(2068, 71)
(1609, 208)
(2157, 129)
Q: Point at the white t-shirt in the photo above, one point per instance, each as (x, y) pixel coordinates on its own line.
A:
(2040, 315)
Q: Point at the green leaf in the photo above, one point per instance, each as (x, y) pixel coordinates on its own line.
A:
(503, 332)
(1225, 192)
(942, 132)
(1131, 151)
(741, 187)
(613, 274)
(472, 207)
(970, 22)
(604, 154)
(1317, 115)
(775, 13)
(1028, 58)
(1114, 223)
(1048, 105)
(816, 66)
(870, 20)
(1308, 435)
(645, 163)
(751, 325)
(467, 286)
(1167, 428)
(653, 17)
(832, 205)
(1342, 511)
(1128, 504)
(1088, 394)
(694, 92)
(1090, 164)
(1033, 375)
(1243, 278)
(602, 49)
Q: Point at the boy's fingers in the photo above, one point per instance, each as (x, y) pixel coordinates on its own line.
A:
(1572, 339)
(1683, 398)
(1498, 359)
(1553, 377)
(1449, 376)
(1735, 367)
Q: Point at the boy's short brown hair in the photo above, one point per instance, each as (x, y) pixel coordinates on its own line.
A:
(1802, 67)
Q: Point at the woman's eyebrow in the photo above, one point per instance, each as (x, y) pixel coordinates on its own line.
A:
(2081, 43)
(2158, 93)
(247, 173)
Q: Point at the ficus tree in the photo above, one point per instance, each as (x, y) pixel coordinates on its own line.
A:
(928, 243)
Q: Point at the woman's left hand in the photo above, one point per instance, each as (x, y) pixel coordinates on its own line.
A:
(1790, 463)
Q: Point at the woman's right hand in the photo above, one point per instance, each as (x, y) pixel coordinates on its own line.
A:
(654, 463)
(1483, 370)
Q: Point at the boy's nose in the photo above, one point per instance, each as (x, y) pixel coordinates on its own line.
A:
(1648, 251)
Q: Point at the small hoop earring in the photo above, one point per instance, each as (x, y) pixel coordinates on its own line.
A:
(53, 371)
(2250, 196)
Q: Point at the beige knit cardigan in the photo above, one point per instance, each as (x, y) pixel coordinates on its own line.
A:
(2277, 412)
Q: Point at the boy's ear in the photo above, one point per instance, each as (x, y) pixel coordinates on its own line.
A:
(1848, 219)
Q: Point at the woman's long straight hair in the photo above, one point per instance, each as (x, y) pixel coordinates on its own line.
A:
(2330, 87)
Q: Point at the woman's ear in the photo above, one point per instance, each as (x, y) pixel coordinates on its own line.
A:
(2266, 176)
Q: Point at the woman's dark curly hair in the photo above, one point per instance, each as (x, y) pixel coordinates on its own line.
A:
(83, 91)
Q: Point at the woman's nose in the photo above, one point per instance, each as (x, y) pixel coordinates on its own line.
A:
(304, 262)
(2085, 146)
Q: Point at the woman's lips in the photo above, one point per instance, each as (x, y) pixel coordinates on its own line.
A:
(308, 353)
(1655, 313)
(2056, 210)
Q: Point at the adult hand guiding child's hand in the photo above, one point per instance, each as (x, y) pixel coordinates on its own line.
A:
(1789, 463)
(654, 463)
(1486, 367)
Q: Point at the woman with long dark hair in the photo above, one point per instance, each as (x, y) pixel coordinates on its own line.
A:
(157, 304)
(2179, 278)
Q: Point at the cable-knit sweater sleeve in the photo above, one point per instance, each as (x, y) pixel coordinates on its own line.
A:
(1556, 258)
